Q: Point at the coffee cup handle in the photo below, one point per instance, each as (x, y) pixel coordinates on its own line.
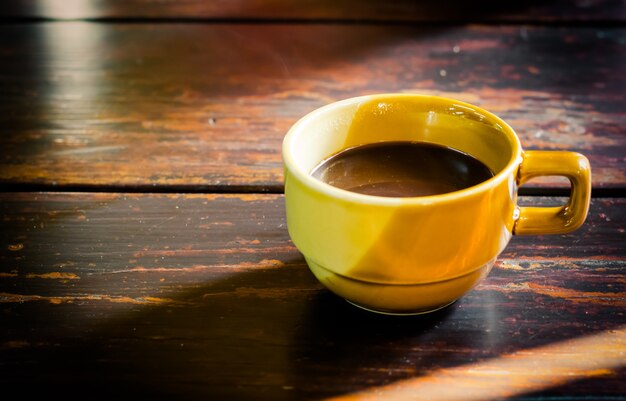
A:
(559, 219)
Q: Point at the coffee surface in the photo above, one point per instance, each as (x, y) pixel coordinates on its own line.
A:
(402, 169)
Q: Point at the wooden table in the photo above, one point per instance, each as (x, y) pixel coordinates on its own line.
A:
(144, 251)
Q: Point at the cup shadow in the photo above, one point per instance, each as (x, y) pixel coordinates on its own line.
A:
(260, 335)
(340, 348)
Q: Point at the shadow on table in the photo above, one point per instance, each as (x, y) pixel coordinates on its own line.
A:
(272, 334)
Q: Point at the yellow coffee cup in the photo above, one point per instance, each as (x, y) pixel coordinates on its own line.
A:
(417, 254)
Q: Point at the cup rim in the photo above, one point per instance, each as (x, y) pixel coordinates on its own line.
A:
(305, 177)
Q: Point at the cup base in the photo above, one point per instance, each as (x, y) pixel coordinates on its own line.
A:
(399, 299)
(408, 313)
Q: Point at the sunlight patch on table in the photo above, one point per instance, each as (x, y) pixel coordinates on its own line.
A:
(513, 374)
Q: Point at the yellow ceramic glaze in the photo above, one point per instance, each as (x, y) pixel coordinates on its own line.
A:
(555, 220)
(410, 255)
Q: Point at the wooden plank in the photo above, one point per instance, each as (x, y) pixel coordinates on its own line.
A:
(403, 10)
(203, 296)
(208, 105)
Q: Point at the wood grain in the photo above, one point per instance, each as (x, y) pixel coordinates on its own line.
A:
(204, 297)
(399, 10)
(207, 106)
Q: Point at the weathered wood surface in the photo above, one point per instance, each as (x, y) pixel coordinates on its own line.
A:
(398, 10)
(204, 297)
(200, 106)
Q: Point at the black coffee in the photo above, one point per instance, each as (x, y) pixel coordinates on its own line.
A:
(402, 169)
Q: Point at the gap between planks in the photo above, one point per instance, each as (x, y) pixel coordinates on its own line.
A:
(574, 23)
(247, 189)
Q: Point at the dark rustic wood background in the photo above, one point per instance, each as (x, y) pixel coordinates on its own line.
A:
(311, 11)
(144, 247)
